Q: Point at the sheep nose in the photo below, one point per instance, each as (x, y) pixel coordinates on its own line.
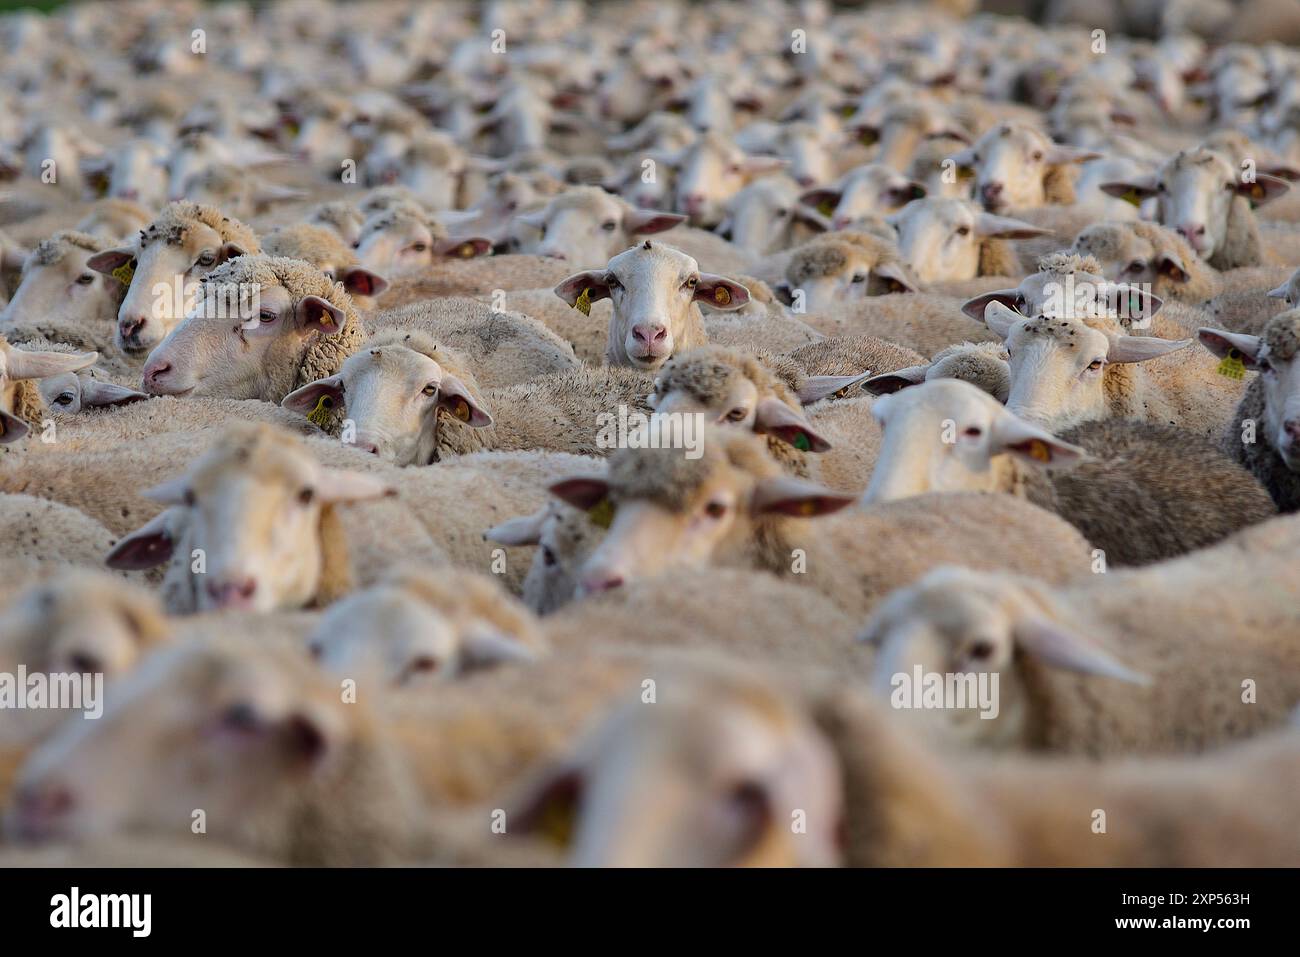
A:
(649, 333)
(38, 809)
(1291, 428)
(232, 594)
(132, 325)
(552, 254)
(154, 371)
(599, 581)
(693, 202)
(991, 192)
(366, 442)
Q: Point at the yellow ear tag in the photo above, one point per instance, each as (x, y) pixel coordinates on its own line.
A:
(466, 250)
(1257, 191)
(1132, 197)
(602, 514)
(1039, 451)
(321, 414)
(965, 172)
(847, 111)
(826, 207)
(808, 507)
(555, 823)
(1232, 366)
(124, 273)
(462, 410)
(722, 295)
(583, 303)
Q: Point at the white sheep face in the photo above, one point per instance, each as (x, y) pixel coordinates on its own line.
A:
(942, 239)
(66, 290)
(589, 227)
(1279, 372)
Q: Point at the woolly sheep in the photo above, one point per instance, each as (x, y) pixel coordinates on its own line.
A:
(983, 365)
(869, 190)
(1018, 167)
(324, 249)
(1140, 492)
(845, 267)
(58, 285)
(769, 215)
(1141, 252)
(586, 226)
(1110, 664)
(405, 240)
(946, 239)
(21, 405)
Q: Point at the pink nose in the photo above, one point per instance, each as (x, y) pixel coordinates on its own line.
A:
(649, 334)
(991, 192)
(130, 193)
(132, 326)
(39, 808)
(232, 594)
(601, 581)
(1194, 233)
(155, 371)
(693, 202)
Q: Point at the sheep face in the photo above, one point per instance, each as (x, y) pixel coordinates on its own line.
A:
(58, 284)
(390, 638)
(344, 218)
(215, 353)
(586, 227)
(654, 289)
(405, 245)
(200, 726)
(564, 537)
(134, 170)
(1276, 356)
(19, 364)
(1011, 163)
(711, 779)
(1058, 366)
(711, 171)
(838, 272)
(71, 392)
(871, 190)
(943, 239)
(393, 395)
(959, 622)
(259, 510)
(948, 436)
(164, 285)
(765, 216)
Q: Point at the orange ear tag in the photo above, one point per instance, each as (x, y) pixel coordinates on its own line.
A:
(722, 295)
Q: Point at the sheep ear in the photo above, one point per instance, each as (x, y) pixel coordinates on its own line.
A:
(535, 219)
(37, 365)
(484, 648)
(1013, 435)
(641, 221)
(1003, 227)
(1142, 348)
(359, 281)
(549, 803)
(1288, 173)
(902, 195)
(12, 257)
(1129, 300)
(720, 292)
(170, 492)
(467, 248)
(315, 314)
(593, 283)
(774, 417)
(1236, 345)
(95, 394)
(890, 382)
(521, 530)
(964, 158)
(305, 400)
(817, 387)
(229, 251)
(1000, 318)
(1058, 155)
(12, 428)
(812, 217)
(581, 491)
(821, 198)
(1281, 292)
(1171, 265)
(111, 259)
(895, 277)
(976, 308)
(1265, 189)
(341, 485)
(1133, 191)
(148, 546)
(784, 495)
(1057, 646)
(456, 398)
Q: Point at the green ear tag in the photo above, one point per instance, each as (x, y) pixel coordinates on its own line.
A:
(124, 273)
(321, 414)
(602, 514)
(1232, 366)
(583, 303)
(826, 207)
(801, 441)
(1132, 197)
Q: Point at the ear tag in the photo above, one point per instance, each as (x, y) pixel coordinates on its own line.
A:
(124, 273)
(826, 207)
(321, 414)
(583, 303)
(722, 295)
(868, 137)
(462, 410)
(466, 250)
(1232, 366)
(1039, 451)
(556, 822)
(1132, 197)
(801, 441)
(808, 507)
(847, 111)
(965, 172)
(602, 514)
(1257, 191)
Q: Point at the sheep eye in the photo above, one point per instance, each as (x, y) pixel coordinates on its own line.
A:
(64, 398)
(973, 432)
(981, 650)
(316, 650)
(1095, 364)
(207, 259)
(609, 226)
(84, 663)
(1160, 187)
(430, 389)
(1136, 265)
(240, 717)
(266, 315)
(692, 282)
(419, 247)
(1037, 155)
(715, 509)
(859, 277)
(737, 414)
(306, 496)
(782, 212)
(548, 556)
(613, 283)
(425, 664)
(963, 230)
(511, 206)
(85, 279)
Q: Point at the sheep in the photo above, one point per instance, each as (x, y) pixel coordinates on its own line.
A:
(851, 356)
(586, 226)
(341, 216)
(416, 629)
(185, 243)
(1113, 664)
(41, 536)
(324, 249)
(763, 319)
(1018, 167)
(21, 405)
(1138, 491)
(405, 240)
(483, 277)
(80, 622)
(1065, 371)
(947, 239)
(1265, 432)
(840, 267)
(1140, 252)
(710, 171)
(633, 790)
(57, 285)
(114, 218)
(654, 290)
(656, 492)
(1199, 196)
(983, 365)
(265, 515)
(923, 322)
(768, 216)
(869, 190)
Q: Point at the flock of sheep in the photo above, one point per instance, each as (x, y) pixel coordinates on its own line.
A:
(341, 346)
